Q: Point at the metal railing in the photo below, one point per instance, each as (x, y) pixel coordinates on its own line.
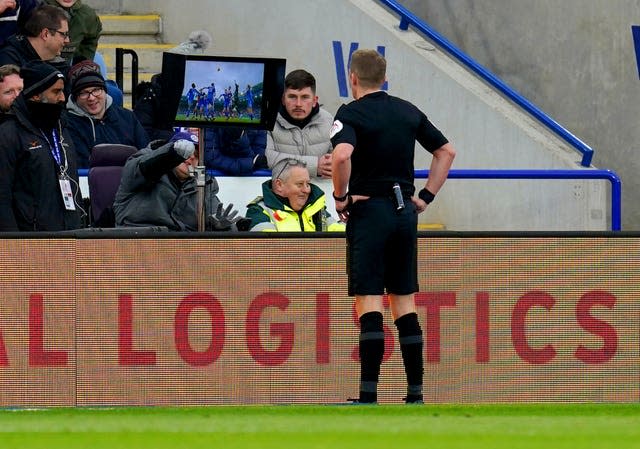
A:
(120, 52)
(608, 175)
(408, 18)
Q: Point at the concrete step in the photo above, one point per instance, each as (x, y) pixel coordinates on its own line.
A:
(149, 55)
(123, 38)
(140, 33)
(149, 24)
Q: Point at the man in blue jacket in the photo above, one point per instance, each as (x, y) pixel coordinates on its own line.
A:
(235, 151)
(93, 116)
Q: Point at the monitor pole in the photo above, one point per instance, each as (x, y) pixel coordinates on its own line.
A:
(200, 183)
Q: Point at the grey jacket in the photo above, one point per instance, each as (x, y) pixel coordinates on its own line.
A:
(151, 195)
(306, 144)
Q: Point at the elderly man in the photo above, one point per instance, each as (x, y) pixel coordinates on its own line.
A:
(38, 174)
(45, 34)
(93, 116)
(290, 203)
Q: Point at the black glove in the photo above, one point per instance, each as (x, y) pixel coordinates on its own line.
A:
(260, 162)
(223, 220)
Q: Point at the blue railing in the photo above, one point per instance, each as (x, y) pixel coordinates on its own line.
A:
(408, 18)
(608, 175)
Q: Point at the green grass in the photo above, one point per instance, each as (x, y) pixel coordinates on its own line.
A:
(545, 426)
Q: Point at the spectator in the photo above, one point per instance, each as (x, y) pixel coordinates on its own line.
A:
(302, 127)
(157, 189)
(11, 85)
(84, 30)
(93, 118)
(13, 15)
(235, 151)
(112, 87)
(151, 108)
(45, 34)
(38, 174)
(290, 203)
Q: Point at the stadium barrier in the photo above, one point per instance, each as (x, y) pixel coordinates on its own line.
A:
(243, 189)
(99, 319)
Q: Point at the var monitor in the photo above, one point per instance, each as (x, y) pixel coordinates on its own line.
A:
(211, 91)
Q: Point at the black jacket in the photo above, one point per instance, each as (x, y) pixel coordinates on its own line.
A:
(18, 50)
(30, 198)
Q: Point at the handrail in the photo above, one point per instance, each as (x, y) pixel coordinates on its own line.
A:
(408, 18)
(120, 52)
(608, 175)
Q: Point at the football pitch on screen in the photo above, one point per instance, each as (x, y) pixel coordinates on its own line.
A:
(546, 426)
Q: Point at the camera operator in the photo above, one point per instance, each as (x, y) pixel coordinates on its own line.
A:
(158, 189)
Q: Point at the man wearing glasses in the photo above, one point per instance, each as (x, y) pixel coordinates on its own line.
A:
(44, 36)
(93, 116)
(84, 30)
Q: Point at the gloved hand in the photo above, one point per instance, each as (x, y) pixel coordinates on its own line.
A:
(223, 220)
(260, 162)
(184, 148)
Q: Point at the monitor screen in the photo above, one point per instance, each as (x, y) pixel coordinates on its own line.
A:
(210, 91)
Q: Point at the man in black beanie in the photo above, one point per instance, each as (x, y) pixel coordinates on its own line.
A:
(94, 117)
(38, 177)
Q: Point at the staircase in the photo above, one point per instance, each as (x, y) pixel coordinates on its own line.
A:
(140, 33)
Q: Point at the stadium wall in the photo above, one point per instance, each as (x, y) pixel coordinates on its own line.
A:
(180, 320)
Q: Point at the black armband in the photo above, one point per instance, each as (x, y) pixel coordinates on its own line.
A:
(340, 198)
(426, 196)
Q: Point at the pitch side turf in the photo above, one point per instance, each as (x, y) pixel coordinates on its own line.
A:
(579, 426)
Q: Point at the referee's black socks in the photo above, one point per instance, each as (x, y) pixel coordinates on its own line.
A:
(411, 346)
(371, 350)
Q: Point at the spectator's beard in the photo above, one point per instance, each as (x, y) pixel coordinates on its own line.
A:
(43, 115)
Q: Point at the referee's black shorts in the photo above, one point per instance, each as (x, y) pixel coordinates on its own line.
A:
(382, 248)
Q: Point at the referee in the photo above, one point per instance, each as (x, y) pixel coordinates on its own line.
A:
(373, 179)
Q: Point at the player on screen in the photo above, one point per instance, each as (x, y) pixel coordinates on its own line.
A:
(211, 95)
(248, 95)
(226, 99)
(191, 99)
(202, 102)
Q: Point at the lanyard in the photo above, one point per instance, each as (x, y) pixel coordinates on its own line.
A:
(55, 148)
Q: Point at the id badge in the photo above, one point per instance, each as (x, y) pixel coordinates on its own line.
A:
(67, 194)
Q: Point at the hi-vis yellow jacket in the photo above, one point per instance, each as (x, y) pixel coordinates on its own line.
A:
(269, 213)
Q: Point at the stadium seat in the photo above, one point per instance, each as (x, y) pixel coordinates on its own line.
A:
(105, 170)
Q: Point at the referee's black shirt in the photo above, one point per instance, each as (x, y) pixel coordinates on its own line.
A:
(383, 130)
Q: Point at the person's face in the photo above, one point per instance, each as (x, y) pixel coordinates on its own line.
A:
(182, 170)
(93, 101)
(54, 94)
(66, 3)
(10, 88)
(296, 188)
(299, 103)
(55, 39)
